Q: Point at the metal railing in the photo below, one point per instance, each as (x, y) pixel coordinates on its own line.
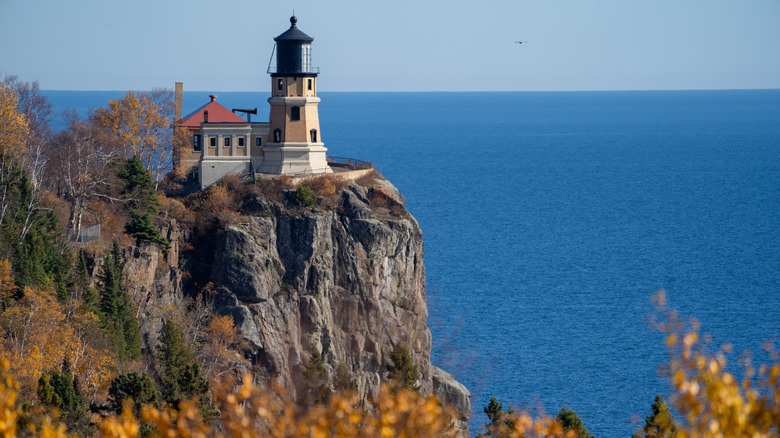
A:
(350, 163)
(272, 70)
(86, 234)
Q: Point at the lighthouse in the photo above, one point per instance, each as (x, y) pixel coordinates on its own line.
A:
(294, 144)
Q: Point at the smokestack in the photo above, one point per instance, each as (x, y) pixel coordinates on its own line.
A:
(205, 116)
(179, 97)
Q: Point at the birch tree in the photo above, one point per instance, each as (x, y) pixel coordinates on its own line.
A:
(82, 160)
(142, 124)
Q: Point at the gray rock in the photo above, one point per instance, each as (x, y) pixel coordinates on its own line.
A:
(341, 281)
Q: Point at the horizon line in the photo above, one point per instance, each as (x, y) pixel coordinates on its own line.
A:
(443, 91)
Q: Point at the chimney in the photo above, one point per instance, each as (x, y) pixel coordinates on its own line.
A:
(205, 116)
(213, 97)
(178, 97)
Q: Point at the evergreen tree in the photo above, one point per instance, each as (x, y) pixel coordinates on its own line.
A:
(304, 196)
(182, 376)
(61, 391)
(660, 424)
(138, 189)
(141, 226)
(30, 235)
(402, 370)
(137, 387)
(46, 394)
(316, 378)
(342, 381)
(498, 424)
(571, 421)
(116, 313)
(138, 186)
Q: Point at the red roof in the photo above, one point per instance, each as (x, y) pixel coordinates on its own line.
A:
(217, 114)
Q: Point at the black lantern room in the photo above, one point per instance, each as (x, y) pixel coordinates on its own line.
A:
(293, 52)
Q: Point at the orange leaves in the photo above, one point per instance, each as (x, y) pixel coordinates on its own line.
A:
(7, 285)
(39, 336)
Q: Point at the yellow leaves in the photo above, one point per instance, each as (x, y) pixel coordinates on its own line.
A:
(13, 125)
(9, 411)
(123, 425)
(140, 122)
(39, 336)
(711, 399)
(250, 411)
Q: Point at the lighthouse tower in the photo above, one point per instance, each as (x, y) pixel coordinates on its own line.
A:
(294, 143)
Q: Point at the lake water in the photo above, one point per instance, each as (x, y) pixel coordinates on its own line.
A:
(551, 218)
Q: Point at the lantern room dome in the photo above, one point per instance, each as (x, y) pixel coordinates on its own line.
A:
(293, 33)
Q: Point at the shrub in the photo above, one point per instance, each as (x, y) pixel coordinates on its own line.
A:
(304, 196)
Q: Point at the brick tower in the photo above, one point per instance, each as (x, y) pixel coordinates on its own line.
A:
(294, 145)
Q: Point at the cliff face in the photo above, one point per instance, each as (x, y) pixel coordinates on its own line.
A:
(348, 281)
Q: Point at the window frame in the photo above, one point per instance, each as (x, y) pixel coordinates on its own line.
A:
(240, 141)
(295, 113)
(212, 141)
(226, 141)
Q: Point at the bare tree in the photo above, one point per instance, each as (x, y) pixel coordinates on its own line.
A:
(82, 157)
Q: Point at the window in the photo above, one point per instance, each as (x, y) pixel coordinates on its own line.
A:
(258, 142)
(213, 142)
(295, 113)
(280, 84)
(306, 57)
(310, 81)
(277, 135)
(313, 134)
(196, 142)
(227, 141)
(240, 142)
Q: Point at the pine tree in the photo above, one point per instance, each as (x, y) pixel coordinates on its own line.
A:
(316, 378)
(30, 234)
(141, 226)
(46, 394)
(138, 187)
(402, 370)
(138, 387)
(660, 424)
(61, 391)
(182, 376)
(571, 421)
(142, 200)
(116, 314)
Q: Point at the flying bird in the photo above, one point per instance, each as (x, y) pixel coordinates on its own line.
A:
(521, 42)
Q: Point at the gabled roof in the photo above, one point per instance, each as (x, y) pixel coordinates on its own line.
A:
(217, 114)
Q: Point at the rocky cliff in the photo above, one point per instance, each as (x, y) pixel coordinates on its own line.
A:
(347, 280)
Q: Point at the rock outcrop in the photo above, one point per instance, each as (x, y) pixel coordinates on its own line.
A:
(347, 280)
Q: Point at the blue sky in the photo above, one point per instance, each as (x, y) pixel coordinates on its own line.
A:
(400, 45)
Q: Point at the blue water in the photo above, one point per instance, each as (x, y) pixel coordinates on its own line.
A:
(551, 218)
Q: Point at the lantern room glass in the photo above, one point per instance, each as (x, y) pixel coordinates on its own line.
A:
(306, 57)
